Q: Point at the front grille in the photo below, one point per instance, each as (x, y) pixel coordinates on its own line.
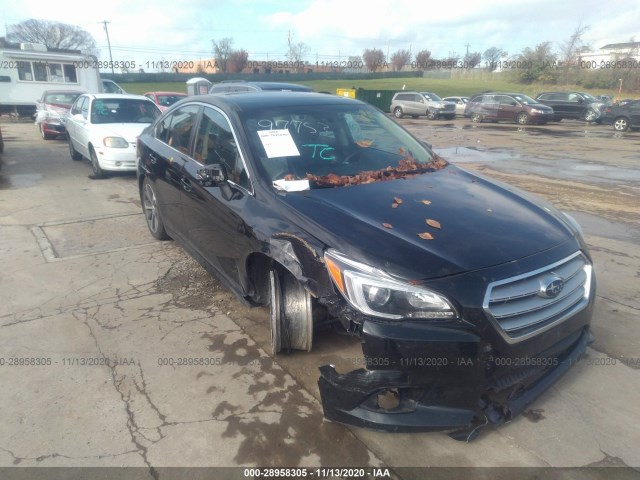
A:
(449, 108)
(528, 304)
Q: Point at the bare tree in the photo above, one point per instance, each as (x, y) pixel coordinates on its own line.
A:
(571, 48)
(492, 57)
(573, 45)
(373, 58)
(400, 58)
(238, 60)
(222, 51)
(296, 53)
(471, 60)
(52, 34)
(423, 59)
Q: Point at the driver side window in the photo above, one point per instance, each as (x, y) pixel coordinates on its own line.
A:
(215, 144)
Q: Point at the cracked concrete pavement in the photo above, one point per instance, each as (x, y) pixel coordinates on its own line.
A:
(95, 317)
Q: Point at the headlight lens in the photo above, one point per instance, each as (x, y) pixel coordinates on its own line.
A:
(115, 142)
(374, 292)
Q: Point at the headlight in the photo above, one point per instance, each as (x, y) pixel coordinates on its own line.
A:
(115, 142)
(535, 110)
(374, 292)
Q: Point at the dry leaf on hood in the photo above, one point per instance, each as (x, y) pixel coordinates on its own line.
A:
(433, 223)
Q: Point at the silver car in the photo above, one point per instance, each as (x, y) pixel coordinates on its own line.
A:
(421, 103)
(461, 103)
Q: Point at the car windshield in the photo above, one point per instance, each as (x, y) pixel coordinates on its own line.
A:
(431, 96)
(589, 96)
(121, 110)
(168, 100)
(333, 145)
(524, 99)
(61, 98)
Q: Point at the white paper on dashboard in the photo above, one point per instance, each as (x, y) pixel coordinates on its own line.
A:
(278, 143)
(291, 185)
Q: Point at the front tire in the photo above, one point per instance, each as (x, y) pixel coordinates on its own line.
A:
(397, 112)
(151, 212)
(621, 124)
(75, 155)
(290, 313)
(95, 164)
(523, 118)
(590, 116)
(476, 118)
(431, 115)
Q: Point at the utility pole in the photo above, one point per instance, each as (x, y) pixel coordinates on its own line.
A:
(108, 43)
(467, 45)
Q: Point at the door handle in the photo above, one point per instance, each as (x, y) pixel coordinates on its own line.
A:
(186, 184)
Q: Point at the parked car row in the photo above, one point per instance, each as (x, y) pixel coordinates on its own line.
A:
(519, 108)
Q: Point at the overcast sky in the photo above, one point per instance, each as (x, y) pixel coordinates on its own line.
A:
(332, 29)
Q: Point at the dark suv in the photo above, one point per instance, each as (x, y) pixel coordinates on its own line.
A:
(507, 107)
(242, 86)
(574, 105)
(469, 297)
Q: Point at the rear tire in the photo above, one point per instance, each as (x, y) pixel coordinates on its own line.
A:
(397, 112)
(476, 118)
(290, 313)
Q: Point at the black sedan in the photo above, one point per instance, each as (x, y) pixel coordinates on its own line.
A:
(470, 298)
(623, 117)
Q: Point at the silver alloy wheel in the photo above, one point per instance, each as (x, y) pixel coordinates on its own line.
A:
(590, 116)
(621, 124)
(397, 112)
(522, 118)
(150, 208)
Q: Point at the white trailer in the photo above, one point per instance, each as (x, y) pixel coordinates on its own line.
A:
(28, 69)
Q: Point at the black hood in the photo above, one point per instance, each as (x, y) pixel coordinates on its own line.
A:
(482, 224)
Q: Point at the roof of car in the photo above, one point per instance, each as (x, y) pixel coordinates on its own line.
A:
(165, 93)
(117, 96)
(265, 85)
(268, 99)
(54, 92)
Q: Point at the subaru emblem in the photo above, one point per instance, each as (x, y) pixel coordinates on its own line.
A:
(551, 286)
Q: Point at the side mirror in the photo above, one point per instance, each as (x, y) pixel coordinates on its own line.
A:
(212, 175)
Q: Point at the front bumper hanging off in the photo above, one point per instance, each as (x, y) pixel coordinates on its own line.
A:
(403, 400)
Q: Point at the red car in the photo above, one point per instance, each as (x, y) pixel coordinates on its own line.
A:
(52, 108)
(165, 99)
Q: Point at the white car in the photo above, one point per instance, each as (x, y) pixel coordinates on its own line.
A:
(461, 103)
(104, 127)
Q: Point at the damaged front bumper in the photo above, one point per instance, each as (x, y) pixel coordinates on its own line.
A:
(459, 385)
